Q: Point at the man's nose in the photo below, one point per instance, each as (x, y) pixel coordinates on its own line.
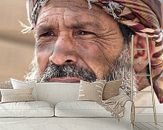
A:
(64, 51)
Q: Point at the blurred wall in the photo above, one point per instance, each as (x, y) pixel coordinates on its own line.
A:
(16, 49)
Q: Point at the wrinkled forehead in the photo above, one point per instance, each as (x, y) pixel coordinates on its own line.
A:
(74, 5)
(77, 14)
(69, 3)
(34, 7)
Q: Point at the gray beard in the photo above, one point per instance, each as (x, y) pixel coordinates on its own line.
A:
(121, 70)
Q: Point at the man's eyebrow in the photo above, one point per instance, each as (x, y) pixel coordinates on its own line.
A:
(84, 25)
(43, 28)
(77, 25)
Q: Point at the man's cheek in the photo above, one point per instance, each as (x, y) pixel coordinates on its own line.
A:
(111, 46)
(94, 58)
(88, 48)
(106, 59)
(42, 60)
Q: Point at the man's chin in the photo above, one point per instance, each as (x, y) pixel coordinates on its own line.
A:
(65, 80)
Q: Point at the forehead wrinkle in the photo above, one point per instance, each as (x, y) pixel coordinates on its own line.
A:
(69, 3)
(77, 22)
(46, 21)
(84, 25)
(77, 16)
(42, 21)
(73, 5)
(83, 21)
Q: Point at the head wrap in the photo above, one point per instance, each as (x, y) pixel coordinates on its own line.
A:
(142, 16)
(33, 9)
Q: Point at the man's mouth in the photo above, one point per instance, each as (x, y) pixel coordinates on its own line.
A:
(68, 73)
(65, 79)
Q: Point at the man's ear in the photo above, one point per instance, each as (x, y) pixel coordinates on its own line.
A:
(141, 55)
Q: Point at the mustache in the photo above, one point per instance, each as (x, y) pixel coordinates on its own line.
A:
(67, 70)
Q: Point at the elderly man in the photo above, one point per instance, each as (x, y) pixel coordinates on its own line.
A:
(90, 39)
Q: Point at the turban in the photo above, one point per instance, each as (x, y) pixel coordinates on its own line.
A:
(142, 16)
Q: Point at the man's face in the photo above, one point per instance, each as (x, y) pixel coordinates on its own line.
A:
(76, 42)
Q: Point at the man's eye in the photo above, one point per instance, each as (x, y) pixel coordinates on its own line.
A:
(85, 33)
(47, 34)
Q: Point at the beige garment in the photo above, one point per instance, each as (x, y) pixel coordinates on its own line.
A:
(5, 85)
(111, 89)
(98, 90)
(16, 95)
(91, 91)
(116, 105)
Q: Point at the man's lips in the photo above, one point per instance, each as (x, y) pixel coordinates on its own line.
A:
(65, 80)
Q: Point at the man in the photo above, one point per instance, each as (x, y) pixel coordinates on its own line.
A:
(90, 39)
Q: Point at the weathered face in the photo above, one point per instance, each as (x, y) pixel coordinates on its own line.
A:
(76, 42)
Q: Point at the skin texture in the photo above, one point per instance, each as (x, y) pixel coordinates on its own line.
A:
(67, 32)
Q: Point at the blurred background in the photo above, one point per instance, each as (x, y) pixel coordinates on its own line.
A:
(16, 49)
